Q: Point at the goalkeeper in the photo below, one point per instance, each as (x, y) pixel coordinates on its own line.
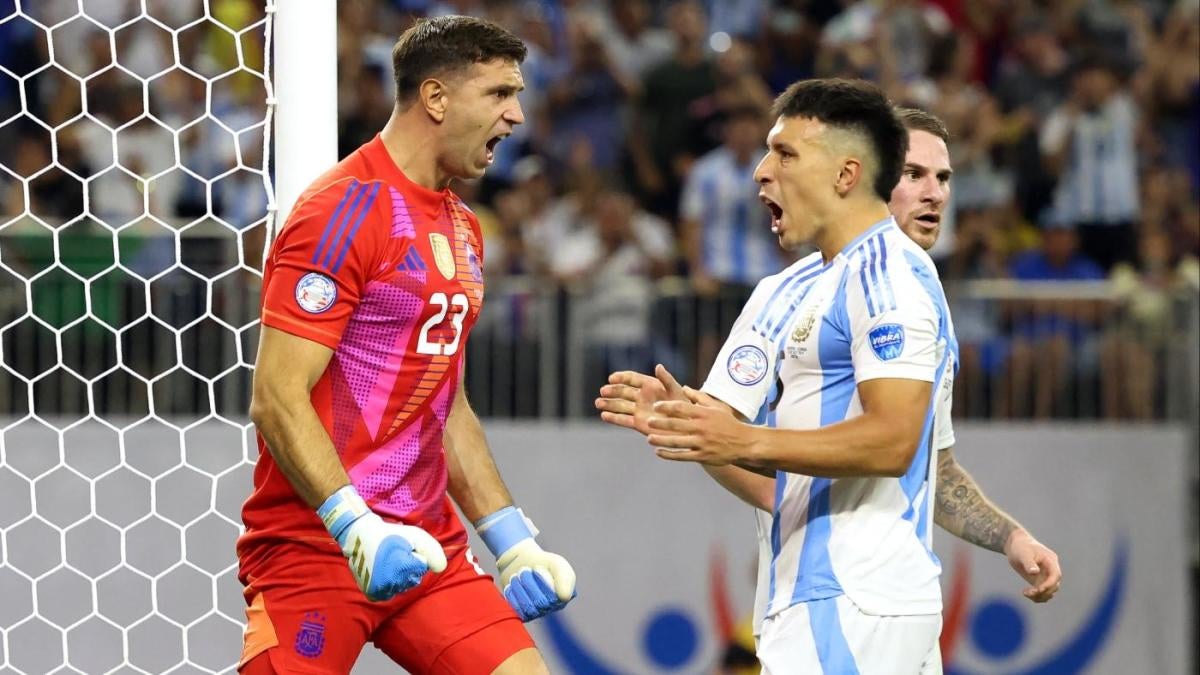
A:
(364, 431)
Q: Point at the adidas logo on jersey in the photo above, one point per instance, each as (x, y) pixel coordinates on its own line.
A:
(412, 262)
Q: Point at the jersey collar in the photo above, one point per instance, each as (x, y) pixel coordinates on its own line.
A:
(871, 231)
(429, 201)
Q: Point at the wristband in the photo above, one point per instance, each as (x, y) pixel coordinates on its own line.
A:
(342, 508)
(502, 529)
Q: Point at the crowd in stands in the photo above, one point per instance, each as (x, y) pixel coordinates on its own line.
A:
(1075, 141)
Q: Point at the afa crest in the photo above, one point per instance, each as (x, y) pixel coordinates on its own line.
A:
(310, 639)
(804, 326)
(443, 254)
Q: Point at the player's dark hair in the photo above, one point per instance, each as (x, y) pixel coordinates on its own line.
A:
(856, 106)
(915, 119)
(439, 46)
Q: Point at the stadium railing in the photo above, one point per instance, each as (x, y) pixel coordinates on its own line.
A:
(1060, 350)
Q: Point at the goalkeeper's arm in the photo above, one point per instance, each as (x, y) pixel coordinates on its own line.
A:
(385, 558)
(534, 581)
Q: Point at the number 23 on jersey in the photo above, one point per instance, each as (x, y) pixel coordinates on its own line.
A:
(456, 306)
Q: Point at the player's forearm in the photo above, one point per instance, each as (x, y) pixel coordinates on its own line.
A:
(474, 481)
(753, 488)
(961, 508)
(868, 445)
(299, 444)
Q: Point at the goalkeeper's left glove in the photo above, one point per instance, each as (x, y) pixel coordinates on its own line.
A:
(534, 581)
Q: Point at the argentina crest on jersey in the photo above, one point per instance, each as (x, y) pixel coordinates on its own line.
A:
(443, 254)
(798, 345)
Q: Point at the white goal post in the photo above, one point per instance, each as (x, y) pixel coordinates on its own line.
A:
(305, 83)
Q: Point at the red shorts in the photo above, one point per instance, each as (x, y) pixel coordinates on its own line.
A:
(305, 614)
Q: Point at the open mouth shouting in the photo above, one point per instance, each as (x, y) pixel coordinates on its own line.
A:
(490, 146)
(776, 212)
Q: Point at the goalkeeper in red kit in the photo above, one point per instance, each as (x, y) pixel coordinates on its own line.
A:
(364, 431)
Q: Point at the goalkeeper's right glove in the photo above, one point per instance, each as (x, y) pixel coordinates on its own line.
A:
(385, 558)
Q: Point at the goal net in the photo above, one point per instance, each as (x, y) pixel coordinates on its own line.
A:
(134, 209)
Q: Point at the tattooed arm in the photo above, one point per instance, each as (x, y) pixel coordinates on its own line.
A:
(962, 510)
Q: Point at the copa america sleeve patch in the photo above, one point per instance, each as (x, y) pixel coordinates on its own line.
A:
(887, 341)
(747, 365)
(315, 292)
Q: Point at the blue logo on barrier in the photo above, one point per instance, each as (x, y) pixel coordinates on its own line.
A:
(887, 341)
(997, 630)
(670, 640)
(671, 637)
(310, 640)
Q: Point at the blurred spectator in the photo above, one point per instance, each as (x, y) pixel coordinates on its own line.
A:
(739, 84)
(1048, 336)
(965, 106)
(726, 230)
(1174, 83)
(887, 40)
(522, 212)
(1144, 329)
(549, 231)
(1032, 81)
(666, 136)
(736, 18)
(612, 261)
(587, 102)
(788, 49)
(1089, 142)
(372, 106)
(619, 240)
(635, 46)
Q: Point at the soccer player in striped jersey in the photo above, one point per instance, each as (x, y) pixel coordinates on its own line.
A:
(364, 430)
(960, 506)
(916, 202)
(840, 353)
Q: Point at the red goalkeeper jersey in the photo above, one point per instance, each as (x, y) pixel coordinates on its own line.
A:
(388, 274)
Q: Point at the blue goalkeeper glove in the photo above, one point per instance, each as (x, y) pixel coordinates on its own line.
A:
(534, 581)
(385, 558)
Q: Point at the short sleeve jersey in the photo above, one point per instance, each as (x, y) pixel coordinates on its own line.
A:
(387, 274)
(794, 359)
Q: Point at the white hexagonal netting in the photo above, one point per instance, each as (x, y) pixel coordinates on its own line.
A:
(134, 208)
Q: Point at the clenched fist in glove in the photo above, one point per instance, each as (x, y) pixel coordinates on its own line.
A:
(535, 582)
(385, 558)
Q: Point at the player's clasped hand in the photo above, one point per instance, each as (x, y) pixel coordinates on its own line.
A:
(535, 582)
(699, 431)
(385, 558)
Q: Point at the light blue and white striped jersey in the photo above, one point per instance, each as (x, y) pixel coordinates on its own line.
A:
(736, 239)
(1099, 181)
(793, 359)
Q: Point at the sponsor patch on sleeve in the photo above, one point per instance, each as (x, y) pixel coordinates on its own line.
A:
(747, 365)
(315, 292)
(887, 341)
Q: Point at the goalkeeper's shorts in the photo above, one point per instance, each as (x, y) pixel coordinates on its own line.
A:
(305, 614)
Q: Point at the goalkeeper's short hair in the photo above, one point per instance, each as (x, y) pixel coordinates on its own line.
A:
(445, 44)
